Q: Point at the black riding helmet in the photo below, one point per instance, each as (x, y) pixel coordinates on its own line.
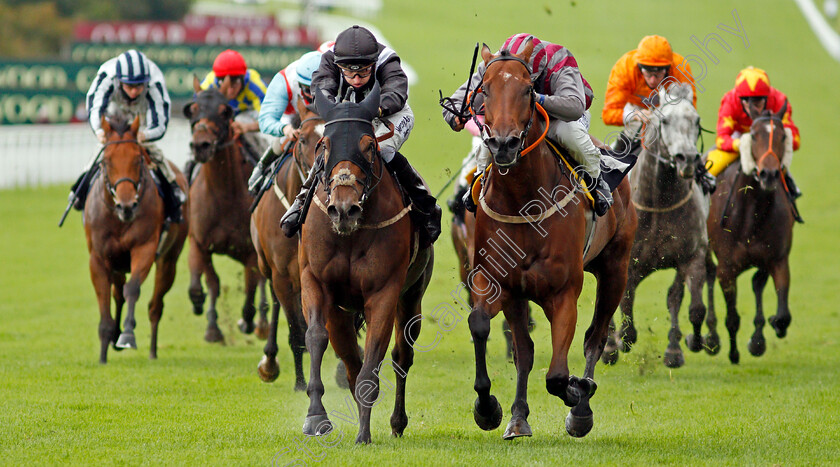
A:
(356, 47)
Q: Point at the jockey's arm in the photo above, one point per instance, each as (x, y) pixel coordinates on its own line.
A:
(271, 121)
(157, 116)
(457, 98)
(394, 87)
(567, 100)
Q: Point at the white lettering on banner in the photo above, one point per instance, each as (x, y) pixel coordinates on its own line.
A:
(139, 33)
(33, 77)
(17, 108)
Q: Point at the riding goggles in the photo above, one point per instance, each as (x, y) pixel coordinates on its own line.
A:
(352, 71)
(654, 69)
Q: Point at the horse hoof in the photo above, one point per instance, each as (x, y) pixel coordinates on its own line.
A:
(628, 339)
(712, 344)
(198, 310)
(610, 358)
(126, 341)
(488, 421)
(197, 299)
(517, 427)
(268, 369)
(398, 424)
(245, 326)
(214, 334)
(779, 325)
(734, 356)
(674, 358)
(341, 376)
(757, 346)
(317, 425)
(694, 342)
(300, 386)
(578, 426)
(262, 329)
(363, 438)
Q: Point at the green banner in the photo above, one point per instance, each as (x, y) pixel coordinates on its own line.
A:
(54, 91)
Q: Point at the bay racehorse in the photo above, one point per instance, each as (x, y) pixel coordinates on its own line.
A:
(220, 216)
(277, 254)
(359, 254)
(751, 226)
(126, 234)
(540, 256)
(672, 212)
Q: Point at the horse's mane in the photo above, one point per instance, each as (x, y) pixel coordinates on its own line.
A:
(678, 91)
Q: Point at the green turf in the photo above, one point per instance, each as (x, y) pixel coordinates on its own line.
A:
(204, 404)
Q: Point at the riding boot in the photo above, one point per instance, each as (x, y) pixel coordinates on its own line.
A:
(291, 221)
(707, 181)
(424, 203)
(604, 198)
(467, 198)
(258, 174)
(189, 167)
(456, 202)
(794, 191)
(80, 189)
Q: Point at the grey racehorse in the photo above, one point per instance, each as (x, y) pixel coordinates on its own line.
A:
(672, 213)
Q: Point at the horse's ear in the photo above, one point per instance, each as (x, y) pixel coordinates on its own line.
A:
(782, 111)
(188, 110)
(323, 103)
(525, 55)
(135, 125)
(224, 85)
(371, 101)
(105, 124)
(196, 84)
(486, 53)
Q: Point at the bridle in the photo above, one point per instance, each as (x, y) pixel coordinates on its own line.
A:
(300, 164)
(345, 178)
(486, 137)
(770, 151)
(221, 140)
(137, 184)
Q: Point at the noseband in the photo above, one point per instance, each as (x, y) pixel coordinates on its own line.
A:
(770, 151)
(219, 143)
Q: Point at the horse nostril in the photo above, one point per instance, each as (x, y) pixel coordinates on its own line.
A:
(512, 143)
(204, 145)
(355, 212)
(332, 211)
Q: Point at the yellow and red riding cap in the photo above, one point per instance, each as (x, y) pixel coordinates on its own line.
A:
(752, 82)
(654, 51)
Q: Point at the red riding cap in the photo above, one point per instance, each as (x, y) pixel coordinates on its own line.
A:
(229, 63)
(752, 82)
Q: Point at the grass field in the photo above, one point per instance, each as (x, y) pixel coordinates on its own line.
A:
(204, 404)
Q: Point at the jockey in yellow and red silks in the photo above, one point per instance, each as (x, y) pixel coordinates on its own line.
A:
(752, 95)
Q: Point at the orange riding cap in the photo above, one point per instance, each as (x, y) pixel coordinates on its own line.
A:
(654, 51)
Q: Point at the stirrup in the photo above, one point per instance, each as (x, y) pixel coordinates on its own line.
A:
(290, 222)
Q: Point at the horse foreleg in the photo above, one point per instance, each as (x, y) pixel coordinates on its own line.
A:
(696, 276)
(142, 258)
(487, 411)
(197, 259)
(213, 333)
(101, 278)
(164, 277)
(781, 280)
(262, 322)
(118, 281)
(711, 341)
(252, 278)
(516, 313)
(627, 334)
(289, 298)
(730, 292)
(268, 369)
(315, 302)
(380, 314)
(758, 345)
(673, 354)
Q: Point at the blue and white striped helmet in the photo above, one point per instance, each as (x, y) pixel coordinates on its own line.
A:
(306, 67)
(133, 68)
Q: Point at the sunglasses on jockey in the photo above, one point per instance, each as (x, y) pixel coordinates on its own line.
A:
(352, 71)
(306, 93)
(654, 69)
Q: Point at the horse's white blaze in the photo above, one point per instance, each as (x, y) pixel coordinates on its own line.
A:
(506, 76)
(319, 129)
